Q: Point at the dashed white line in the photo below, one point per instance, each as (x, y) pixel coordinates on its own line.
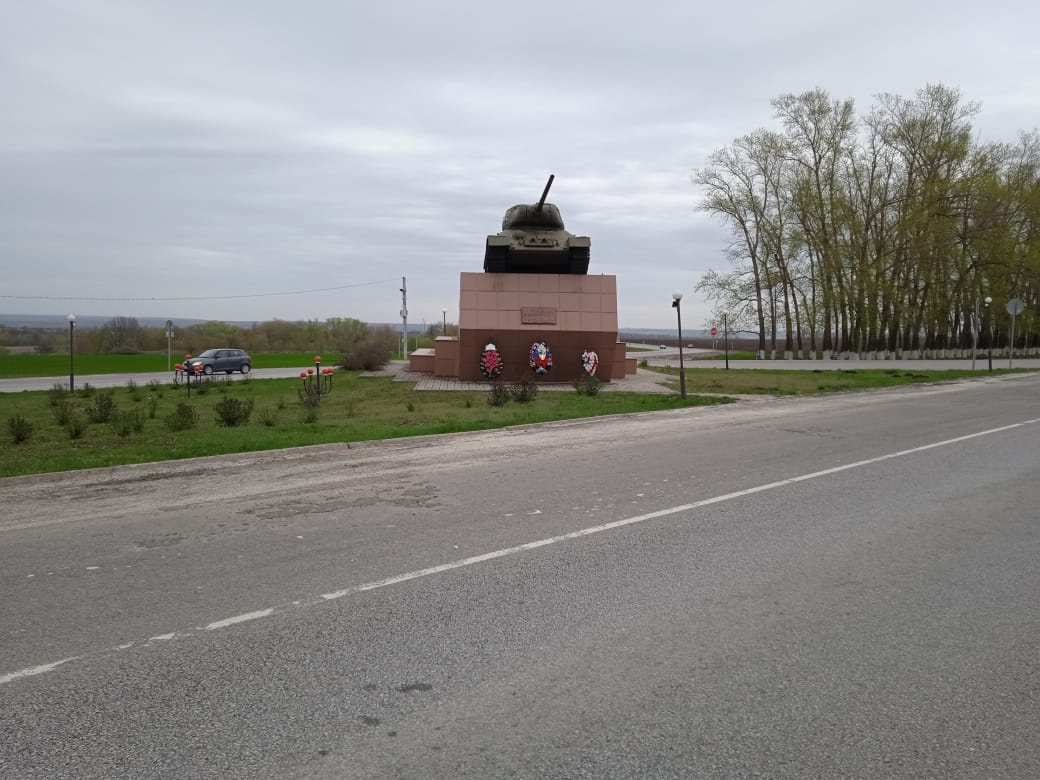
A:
(508, 551)
(261, 613)
(34, 670)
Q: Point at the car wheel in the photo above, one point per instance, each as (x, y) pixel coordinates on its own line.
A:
(246, 368)
(207, 370)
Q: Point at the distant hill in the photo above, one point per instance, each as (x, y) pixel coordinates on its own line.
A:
(90, 321)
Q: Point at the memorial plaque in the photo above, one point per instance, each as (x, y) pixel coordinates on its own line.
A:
(538, 315)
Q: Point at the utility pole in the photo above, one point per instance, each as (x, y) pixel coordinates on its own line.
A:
(404, 318)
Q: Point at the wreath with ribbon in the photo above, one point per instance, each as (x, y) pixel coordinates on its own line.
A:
(590, 362)
(491, 362)
(540, 358)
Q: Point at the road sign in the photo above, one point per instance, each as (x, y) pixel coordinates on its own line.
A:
(714, 331)
(1015, 307)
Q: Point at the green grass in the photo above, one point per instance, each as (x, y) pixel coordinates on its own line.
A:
(639, 349)
(734, 354)
(767, 381)
(17, 366)
(358, 409)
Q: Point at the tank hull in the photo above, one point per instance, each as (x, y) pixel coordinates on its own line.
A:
(539, 252)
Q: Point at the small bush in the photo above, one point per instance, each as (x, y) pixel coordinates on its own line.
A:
(131, 385)
(63, 410)
(469, 403)
(309, 398)
(643, 363)
(182, 418)
(498, 395)
(57, 394)
(87, 390)
(282, 404)
(310, 414)
(232, 412)
(103, 408)
(75, 425)
(125, 423)
(155, 386)
(268, 417)
(586, 384)
(202, 386)
(524, 391)
(411, 407)
(21, 429)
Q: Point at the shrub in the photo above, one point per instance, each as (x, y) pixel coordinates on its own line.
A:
(155, 386)
(268, 417)
(586, 384)
(232, 412)
(125, 423)
(309, 398)
(57, 394)
(87, 390)
(75, 425)
(21, 429)
(524, 391)
(498, 395)
(63, 410)
(371, 351)
(281, 405)
(310, 414)
(103, 408)
(131, 385)
(182, 418)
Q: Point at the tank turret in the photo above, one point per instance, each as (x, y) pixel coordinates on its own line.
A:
(533, 240)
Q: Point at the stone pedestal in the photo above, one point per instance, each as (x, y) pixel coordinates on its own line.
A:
(571, 313)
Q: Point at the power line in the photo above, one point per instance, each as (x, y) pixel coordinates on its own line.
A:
(194, 297)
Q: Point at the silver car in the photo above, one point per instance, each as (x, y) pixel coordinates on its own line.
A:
(226, 360)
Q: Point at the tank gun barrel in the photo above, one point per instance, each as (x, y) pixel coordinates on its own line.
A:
(545, 192)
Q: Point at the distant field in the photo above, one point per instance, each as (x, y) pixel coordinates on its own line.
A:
(18, 366)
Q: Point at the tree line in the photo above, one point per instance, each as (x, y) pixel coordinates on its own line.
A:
(876, 234)
(125, 335)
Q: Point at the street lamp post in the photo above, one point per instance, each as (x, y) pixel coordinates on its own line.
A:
(72, 352)
(676, 297)
(989, 333)
(974, 333)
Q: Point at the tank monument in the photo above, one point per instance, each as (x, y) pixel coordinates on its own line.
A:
(535, 312)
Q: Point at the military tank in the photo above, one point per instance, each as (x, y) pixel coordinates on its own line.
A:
(534, 241)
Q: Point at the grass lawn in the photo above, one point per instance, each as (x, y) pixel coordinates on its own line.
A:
(767, 381)
(357, 409)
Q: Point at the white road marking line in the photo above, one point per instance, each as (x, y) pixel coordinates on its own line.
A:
(34, 670)
(262, 613)
(508, 551)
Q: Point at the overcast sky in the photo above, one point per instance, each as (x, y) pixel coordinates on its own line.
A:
(192, 149)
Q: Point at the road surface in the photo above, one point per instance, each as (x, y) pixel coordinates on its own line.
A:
(843, 586)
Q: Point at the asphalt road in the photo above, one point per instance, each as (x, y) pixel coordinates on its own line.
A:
(843, 586)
